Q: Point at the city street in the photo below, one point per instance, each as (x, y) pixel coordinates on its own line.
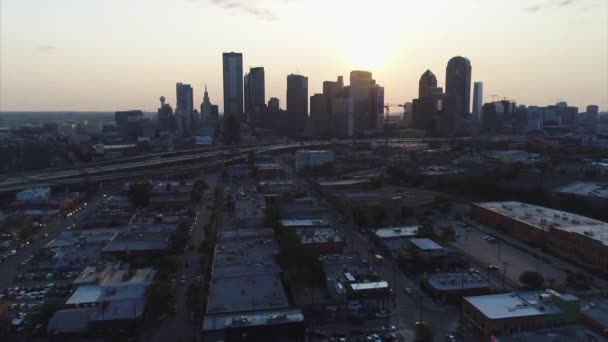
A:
(180, 326)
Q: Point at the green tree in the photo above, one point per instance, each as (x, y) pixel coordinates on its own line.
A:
(160, 298)
(47, 310)
(198, 190)
(424, 332)
(532, 279)
(139, 193)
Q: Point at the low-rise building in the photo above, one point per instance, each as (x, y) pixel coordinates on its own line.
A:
(269, 170)
(591, 193)
(344, 184)
(321, 241)
(393, 239)
(498, 314)
(311, 158)
(298, 224)
(577, 238)
(451, 287)
(574, 332)
(34, 194)
(595, 316)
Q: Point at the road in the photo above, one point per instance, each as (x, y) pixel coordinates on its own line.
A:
(10, 267)
(180, 326)
(125, 168)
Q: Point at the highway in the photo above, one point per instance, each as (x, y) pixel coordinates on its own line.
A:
(171, 162)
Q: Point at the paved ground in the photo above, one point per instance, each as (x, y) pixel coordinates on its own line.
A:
(9, 268)
(180, 327)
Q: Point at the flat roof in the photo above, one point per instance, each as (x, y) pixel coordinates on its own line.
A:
(246, 293)
(547, 219)
(512, 305)
(369, 286)
(70, 320)
(396, 232)
(85, 294)
(258, 318)
(344, 182)
(598, 312)
(426, 244)
(318, 222)
(319, 235)
(576, 332)
(587, 189)
(456, 281)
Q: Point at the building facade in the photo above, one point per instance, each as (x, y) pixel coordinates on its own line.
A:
(477, 100)
(297, 101)
(254, 85)
(233, 83)
(458, 82)
(184, 107)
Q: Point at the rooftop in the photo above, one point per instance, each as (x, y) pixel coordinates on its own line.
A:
(567, 333)
(588, 189)
(426, 244)
(598, 312)
(274, 317)
(320, 235)
(547, 219)
(344, 182)
(455, 281)
(522, 304)
(397, 232)
(246, 293)
(304, 223)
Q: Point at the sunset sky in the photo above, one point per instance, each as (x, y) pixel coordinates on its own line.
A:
(106, 55)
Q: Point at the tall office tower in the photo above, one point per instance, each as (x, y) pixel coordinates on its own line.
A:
(209, 116)
(477, 100)
(183, 107)
(233, 83)
(254, 89)
(458, 82)
(297, 101)
(366, 102)
(427, 84)
(319, 114)
(593, 112)
(164, 118)
(331, 89)
(273, 103)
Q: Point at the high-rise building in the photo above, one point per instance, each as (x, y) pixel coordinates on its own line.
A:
(165, 118)
(233, 83)
(366, 98)
(319, 114)
(477, 100)
(331, 90)
(273, 103)
(209, 117)
(427, 84)
(183, 107)
(254, 90)
(458, 82)
(297, 101)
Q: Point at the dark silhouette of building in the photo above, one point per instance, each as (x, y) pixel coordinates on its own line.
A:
(184, 107)
(297, 101)
(458, 82)
(366, 103)
(233, 83)
(427, 85)
(210, 120)
(165, 118)
(477, 100)
(254, 90)
(319, 115)
(273, 103)
(129, 122)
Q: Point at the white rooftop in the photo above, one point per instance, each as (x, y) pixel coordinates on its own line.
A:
(395, 232)
(589, 189)
(304, 223)
(547, 219)
(523, 304)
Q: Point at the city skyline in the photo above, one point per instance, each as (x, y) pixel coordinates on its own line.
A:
(46, 65)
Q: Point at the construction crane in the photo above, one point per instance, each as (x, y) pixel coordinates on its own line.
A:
(494, 97)
(388, 106)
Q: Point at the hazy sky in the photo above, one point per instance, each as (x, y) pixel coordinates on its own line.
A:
(125, 54)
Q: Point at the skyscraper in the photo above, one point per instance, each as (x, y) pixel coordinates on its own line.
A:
(297, 97)
(477, 100)
(165, 118)
(233, 83)
(209, 117)
(427, 84)
(183, 107)
(254, 90)
(273, 103)
(458, 82)
(319, 114)
(366, 98)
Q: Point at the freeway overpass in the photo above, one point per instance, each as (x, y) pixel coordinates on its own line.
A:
(174, 162)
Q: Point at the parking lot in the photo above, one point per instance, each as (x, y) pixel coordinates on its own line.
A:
(488, 251)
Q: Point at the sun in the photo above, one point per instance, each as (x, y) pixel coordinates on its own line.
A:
(368, 49)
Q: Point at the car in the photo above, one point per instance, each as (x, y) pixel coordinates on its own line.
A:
(450, 338)
(182, 281)
(408, 291)
(494, 268)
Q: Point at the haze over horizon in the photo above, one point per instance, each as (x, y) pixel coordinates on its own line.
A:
(74, 55)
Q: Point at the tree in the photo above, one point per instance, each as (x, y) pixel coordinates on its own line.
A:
(48, 309)
(379, 215)
(424, 332)
(198, 190)
(139, 193)
(160, 297)
(532, 279)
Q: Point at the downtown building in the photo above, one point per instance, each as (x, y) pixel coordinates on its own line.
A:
(576, 238)
(184, 108)
(255, 97)
(210, 120)
(297, 103)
